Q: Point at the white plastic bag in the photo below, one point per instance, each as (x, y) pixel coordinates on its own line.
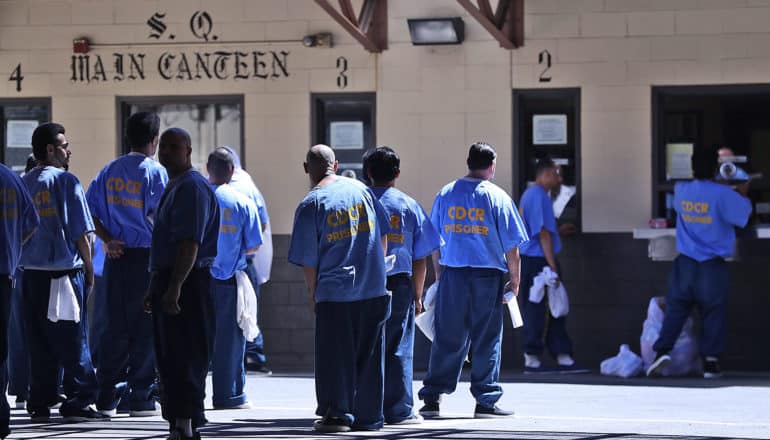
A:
(625, 364)
(62, 302)
(425, 321)
(558, 301)
(429, 300)
(685, 357)
(513, 309)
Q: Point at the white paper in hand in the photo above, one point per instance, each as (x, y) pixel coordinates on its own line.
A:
(425, 322)
(513, 309)
(430, 296)
(62, 302)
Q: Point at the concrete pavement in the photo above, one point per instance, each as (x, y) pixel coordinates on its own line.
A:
(587, 407)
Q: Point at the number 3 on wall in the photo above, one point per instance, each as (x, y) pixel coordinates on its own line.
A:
(342, 79)
(16, 76)
(544, 58)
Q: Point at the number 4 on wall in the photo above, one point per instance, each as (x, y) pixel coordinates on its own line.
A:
(16, 76)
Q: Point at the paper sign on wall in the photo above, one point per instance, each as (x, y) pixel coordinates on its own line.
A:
(18, 134)
(348, 135)
(549, 129)
(678, 161)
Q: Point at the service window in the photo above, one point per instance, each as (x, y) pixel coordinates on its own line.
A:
(345, 122)
(212, 121)
(18, 119)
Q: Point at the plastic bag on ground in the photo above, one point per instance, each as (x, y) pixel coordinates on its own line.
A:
(625, 364)
(685, 356)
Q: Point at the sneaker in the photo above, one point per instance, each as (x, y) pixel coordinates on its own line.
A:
(414, 419)
(484, 412)
(331, 425)
(537, 370)
(572, 369)
(40, 415)
(21, 403)
(711, 369)
(108, 412)
(145, 412)
(87, 414)
(430, 410)
(657, 366)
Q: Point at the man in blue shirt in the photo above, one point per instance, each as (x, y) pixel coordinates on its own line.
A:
(255, 359)
(18, 221)
(57, 264)
(339, 239)
(184, 244)
(536, 208)
(707, 215)
(123, 199)
(411, 239)
(481, 233)
(239, 233)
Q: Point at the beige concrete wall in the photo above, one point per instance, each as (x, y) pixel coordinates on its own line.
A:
(431, 101)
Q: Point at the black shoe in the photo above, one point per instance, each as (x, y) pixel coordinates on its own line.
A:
(87, 414)
(179, 435)
(42, 415)
(711, 369)
(331, 425)
(483, 412)
(261, 370)
(430, 410)
(657, 366)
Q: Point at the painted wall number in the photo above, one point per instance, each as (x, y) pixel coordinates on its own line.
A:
(342, 79)
(17, 76)
(544, 58)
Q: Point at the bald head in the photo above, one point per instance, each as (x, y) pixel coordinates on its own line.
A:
(320, 162)
(181, 133)
(175, 150)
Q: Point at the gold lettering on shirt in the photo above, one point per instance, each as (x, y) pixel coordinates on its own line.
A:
(695, 212)
(348, 223)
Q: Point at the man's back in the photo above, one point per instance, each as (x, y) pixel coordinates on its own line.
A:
(64, 218)
(124, 196)
(239, 231)
(17, 218)
(476, 214)
(708, 213)
(338, 230)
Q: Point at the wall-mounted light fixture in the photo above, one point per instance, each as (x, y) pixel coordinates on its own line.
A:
(318, 40)
(436, 31)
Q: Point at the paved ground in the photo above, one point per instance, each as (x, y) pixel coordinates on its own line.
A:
(585, 408)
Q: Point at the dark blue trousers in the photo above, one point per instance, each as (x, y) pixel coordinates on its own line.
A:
(255, 350)
(6, 285)
(541, 329)
(51, 344)
(704, 285)
(349, 364)
(228, 374)
(469, 314)
(399, 350)
(18, 356)
(125, 353)
(182, 345)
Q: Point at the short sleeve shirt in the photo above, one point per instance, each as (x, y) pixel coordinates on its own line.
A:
(478, 223)
(537, 212)
(707, 215)
(18, 218)
(412, 235)
(338, 230)
(188, 210)
(64, 218)
(124, 196)
(239, 231)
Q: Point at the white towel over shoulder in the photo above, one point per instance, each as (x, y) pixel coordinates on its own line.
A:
(62, 302)
(246, 306)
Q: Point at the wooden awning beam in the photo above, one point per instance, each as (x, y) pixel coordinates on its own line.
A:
(370, 28)
(506, 24)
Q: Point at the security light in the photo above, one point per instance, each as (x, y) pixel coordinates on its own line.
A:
(436, 31)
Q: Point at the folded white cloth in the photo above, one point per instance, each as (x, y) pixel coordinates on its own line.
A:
(558, 301)
(513, 309)
(62, 302)
(246, 306)
(263, 259)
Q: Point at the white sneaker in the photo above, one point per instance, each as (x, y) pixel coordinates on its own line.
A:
(414, 419)
(108, 412)
(145, 412)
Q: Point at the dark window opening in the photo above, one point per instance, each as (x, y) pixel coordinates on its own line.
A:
(18, 119)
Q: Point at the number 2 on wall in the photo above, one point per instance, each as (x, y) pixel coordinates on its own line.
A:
(544, 58)
(16, 76)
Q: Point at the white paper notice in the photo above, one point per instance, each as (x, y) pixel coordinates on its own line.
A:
(18, 134)
(347, 135)
(549, 129)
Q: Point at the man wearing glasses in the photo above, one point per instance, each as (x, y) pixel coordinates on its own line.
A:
(58, 275)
